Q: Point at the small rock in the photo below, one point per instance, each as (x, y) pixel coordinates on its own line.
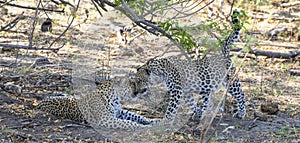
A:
(139, 50)
(128, 52)
(3, 11)
(42, 61)
(269, 108)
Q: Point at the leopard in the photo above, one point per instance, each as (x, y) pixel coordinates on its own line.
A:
(203, 76)
(101, 108)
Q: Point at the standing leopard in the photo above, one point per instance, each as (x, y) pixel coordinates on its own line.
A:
(101, 108)
(203, 76)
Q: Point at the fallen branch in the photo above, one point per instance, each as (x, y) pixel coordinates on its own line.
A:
(294, 73)
(31, 8)
(246, 56)
(271, 54)
(290, 4)
(274, 18)
(275, 32)
(269, 44)
(28, 47)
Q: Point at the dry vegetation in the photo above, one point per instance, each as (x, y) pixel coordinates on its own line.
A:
(26, 76)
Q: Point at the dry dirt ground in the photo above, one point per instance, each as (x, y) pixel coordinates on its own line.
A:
(271, 85)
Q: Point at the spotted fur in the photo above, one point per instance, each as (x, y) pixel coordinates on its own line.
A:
(203, 76)
(101, 108)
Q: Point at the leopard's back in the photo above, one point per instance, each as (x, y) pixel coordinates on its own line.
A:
(202, 74)
(62, 106)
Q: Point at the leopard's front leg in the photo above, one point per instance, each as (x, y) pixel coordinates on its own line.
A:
(175, 92)
(131, 116)
(236, 91)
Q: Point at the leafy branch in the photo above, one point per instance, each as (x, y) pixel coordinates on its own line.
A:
(179, 35)
(158, 23)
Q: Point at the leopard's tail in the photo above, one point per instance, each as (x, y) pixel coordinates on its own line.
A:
(233, 37)
(63, 107)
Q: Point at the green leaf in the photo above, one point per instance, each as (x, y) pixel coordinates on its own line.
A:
(118, 2)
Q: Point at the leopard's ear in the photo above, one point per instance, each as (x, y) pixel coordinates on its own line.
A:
(132, 84)
(147, 71)
(150, 60)
(139, 68)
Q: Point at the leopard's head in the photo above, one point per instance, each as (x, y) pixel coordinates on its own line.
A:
(141, 81)
(147, 75)
(123, 87)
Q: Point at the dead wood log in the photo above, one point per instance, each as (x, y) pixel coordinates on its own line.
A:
(271, 54)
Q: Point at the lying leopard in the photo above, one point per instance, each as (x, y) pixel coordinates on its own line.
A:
(101, 108)
(203, 76)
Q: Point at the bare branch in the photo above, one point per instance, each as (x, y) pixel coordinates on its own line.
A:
(62, 2)
(66, 28)
(97, 7)
(12, 24)
(34, 24)
(189, 14)
(65, 2)
(100, 3)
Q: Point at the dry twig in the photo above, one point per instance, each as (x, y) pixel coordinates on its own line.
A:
(63, 33)
(28, 47)
(31, 8)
